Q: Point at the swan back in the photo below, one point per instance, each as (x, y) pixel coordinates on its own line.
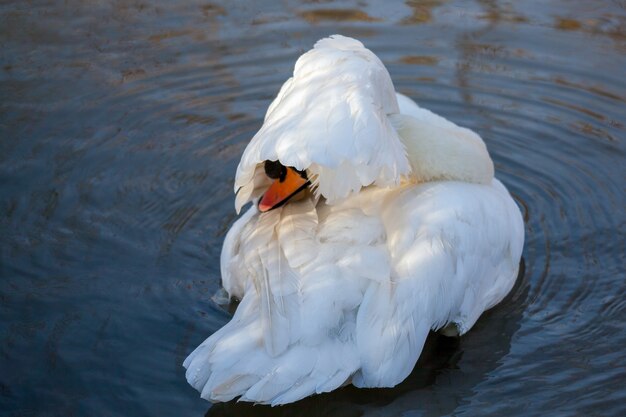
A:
(438, 149)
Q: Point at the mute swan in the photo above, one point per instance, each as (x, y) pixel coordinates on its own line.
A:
(373, 221)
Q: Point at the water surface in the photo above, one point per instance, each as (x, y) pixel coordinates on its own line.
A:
(121, 126)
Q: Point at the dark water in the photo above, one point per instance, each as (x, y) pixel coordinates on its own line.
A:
(121, 125)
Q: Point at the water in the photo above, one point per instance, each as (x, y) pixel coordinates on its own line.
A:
(122, 123)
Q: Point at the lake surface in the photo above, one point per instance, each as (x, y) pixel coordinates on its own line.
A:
(122, 123)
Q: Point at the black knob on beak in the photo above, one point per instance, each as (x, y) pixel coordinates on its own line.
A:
(275, 170)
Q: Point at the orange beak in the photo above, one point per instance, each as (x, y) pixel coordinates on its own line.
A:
(281, 191)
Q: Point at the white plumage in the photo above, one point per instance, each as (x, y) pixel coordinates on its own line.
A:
(407, 231)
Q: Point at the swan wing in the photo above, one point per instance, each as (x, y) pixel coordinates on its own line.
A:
(455, 249)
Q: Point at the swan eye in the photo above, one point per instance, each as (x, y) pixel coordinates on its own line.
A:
(275, 170)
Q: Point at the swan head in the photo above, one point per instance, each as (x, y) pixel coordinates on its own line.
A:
(287, 182)
(329, 121)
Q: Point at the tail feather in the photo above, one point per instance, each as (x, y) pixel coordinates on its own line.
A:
(223, 370)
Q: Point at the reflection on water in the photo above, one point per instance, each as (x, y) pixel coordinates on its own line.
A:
(122, 124)
(337, 15)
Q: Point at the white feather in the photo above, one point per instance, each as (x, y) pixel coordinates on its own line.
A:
(325, 98)
(346, 286)
(296, 233)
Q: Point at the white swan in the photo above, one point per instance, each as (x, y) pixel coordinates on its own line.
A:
(396, 226)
